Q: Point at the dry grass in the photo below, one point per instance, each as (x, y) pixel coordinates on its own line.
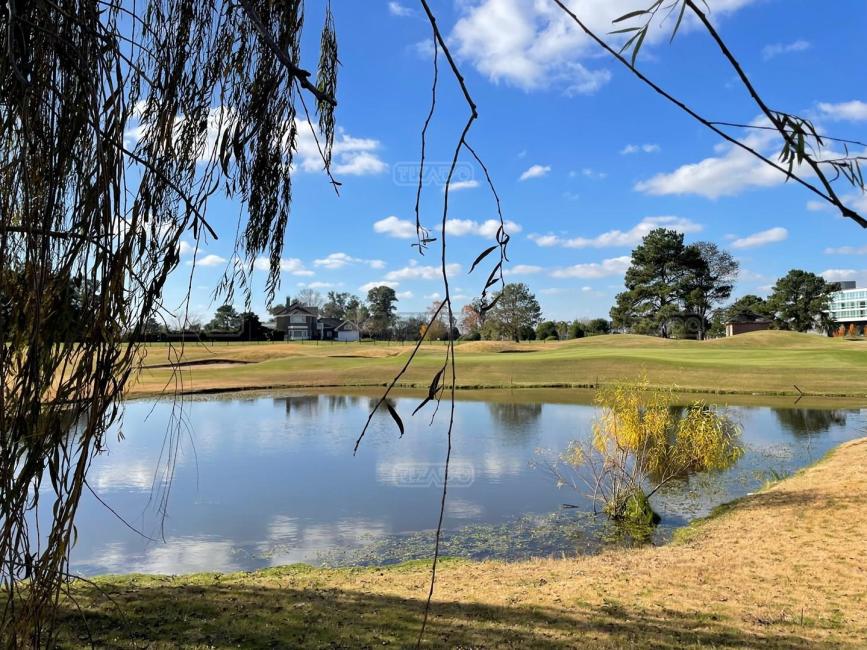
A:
(767, 363)
(784, 568)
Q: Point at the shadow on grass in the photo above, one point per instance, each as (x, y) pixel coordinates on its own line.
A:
(813, 499)
(231, 614)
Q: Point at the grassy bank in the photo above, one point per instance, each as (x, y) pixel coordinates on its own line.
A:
(783, 568)
(764, 363)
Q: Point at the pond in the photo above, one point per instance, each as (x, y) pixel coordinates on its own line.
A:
(264, 480)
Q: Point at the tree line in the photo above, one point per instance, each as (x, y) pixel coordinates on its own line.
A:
(675, 289)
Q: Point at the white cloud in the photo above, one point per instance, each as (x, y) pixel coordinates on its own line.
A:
(639, 148)
(336, 261)
(378, 283)
(523, 269)
(535, 171)
(725, 175)
(351, 156)
(552, 291)
(745, 275)
(397, 9)
(424, 48)
(487, 228)
(318, 285)
(839, 275)
(185, 248)
(857, 202)
(776, 49)
(359, 163)
(733, 170)
(405, 229)
(416, 271)
(605, 268)
(291, 265)
(404, 295)
(619, 237)
(854, 111)
(433, 296)
(847, 250)
(394, 227)
(769, 236)
(534, 45)
(589, 173)
(211, 260)
(456, 186)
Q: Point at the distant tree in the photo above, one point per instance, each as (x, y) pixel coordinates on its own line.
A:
(225, 319)
(657, 283)
(562, 329)
(382, 301)
(527, 333)
(799, 302)
(516, 308)
(310, 298)
(357, 313)
(436, 329)
(545, 329)
(153, 326)
(409, 328)
(597, 326)
(576, 330)
(710, 283)
(251, 327)
(472, 316)
(336, 306)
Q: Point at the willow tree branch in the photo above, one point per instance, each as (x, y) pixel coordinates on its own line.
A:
(771, 115)
(830, 197)
(300, 74)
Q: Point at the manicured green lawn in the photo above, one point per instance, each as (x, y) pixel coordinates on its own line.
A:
(767, 363)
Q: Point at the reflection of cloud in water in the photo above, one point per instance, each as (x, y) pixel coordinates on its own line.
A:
(409, 473)
(177, 555)
(499, 466)
(114, 473)
(290, 541)
(463, 509)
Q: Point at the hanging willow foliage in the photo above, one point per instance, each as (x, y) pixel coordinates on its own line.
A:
(92, 212)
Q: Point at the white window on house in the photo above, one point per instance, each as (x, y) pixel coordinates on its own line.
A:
(298, 318)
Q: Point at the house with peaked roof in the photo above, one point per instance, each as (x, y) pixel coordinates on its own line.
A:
(746, 321)
(299, 322)
(296, 322)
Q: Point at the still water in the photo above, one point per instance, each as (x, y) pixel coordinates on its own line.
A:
(262, 481)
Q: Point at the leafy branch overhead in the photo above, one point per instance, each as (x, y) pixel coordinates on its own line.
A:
(803, 148)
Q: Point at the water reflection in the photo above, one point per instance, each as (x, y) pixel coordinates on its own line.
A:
(516, 422)
(257, 485)
(805, 422)
(303, 405)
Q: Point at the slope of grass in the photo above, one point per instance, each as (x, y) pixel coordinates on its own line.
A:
(782, 569)
(768, 363)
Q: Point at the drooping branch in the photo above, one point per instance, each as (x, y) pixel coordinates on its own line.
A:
(826, 192)
(300, 74)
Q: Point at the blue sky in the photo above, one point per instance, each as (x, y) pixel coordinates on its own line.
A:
(585, 158)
